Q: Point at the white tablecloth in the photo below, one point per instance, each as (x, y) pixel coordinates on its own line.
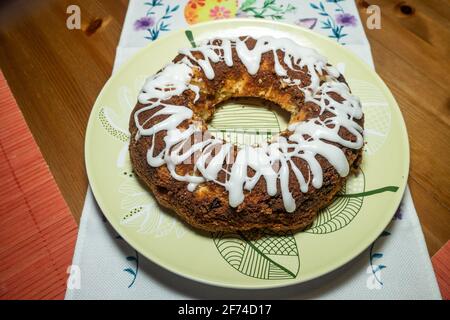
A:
(105, 262)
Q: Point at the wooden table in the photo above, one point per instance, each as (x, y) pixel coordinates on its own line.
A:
(56, 74)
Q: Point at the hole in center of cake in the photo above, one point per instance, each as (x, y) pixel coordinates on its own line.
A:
(248, 121)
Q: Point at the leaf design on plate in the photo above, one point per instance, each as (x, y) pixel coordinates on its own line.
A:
(133, 194)
(190, 37)
(111, 128)
(142, 212)
(377, 114)
(342, 211)
(271, 257)
(244, 117)
(245, 124)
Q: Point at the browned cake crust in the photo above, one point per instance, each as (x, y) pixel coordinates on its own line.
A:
(207, 207)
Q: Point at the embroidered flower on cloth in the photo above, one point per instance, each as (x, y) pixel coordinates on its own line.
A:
(242, 14)
(309, 23)
(144, 23)
(219, 13)
(194, 3)
(346, 19)
(399, 213)
(191, 16)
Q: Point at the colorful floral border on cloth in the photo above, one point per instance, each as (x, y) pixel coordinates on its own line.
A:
(332, 18)
(396, 266)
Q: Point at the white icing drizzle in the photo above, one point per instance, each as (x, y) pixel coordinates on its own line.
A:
(172, 82)
(272, 161)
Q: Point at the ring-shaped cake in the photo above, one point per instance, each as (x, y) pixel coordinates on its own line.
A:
(213, 184)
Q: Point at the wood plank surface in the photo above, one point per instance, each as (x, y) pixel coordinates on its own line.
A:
(56, 75)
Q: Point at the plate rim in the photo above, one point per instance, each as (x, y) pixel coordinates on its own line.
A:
(353, 253)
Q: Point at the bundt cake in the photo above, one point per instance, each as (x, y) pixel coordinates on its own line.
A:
(214, 185)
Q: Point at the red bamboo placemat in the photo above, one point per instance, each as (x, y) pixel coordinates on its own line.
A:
(37, 230)
(441, 265)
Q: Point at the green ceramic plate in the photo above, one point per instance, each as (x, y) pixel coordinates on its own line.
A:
(341, 232)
